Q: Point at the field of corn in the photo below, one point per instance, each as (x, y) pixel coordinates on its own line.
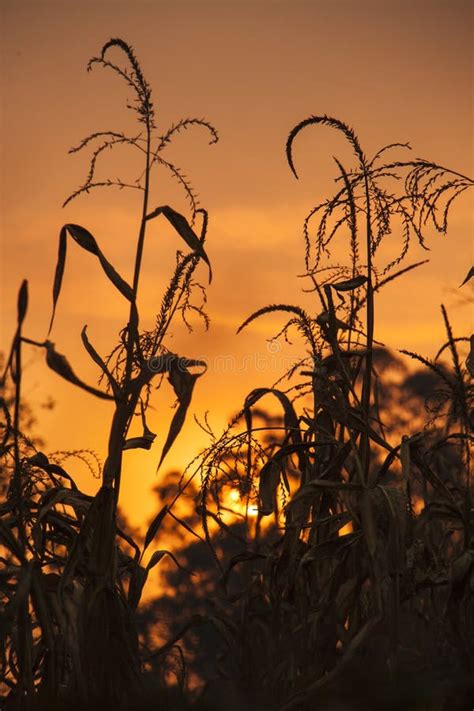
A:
(333, 540)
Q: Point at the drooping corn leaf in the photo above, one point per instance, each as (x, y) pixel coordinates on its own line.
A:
(243, 557)
(147, 438)
(140, 575)
(39, 459)
(350, 284)
(326, 318)
(59, 363)
(270, 473)
(271, 470)
(183, 383)
(165, 363)
(98, 360)
(470, 358)
(154, 526)
(269, 481)
(85, 240)
(158, 555)
(186, 527)
(469, 276)
(143, 442)
(290, 418)
(183, 228)
(22, 306)
(22, 302)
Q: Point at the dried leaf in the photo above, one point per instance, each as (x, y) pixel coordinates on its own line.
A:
(469, 276)
(39, 459)
(60, 365)
(143, 442)
(165, 363)
(183, 228)
(154, 526)
(470, 358)
(327, 319)
(183, 383)
(155, 559)
(58, 274)
(291, 422)
(185, 525)
(268, 486)
(98, 360)
(22, 302)
(138, 579)
(350, 284)
(85, 240)
(158, 555)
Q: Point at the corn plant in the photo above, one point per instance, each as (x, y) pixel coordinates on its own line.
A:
(348, 567)
(72, 578)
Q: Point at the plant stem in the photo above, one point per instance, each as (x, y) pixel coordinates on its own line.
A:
(367, 383)
(125, 408)
(16, 446)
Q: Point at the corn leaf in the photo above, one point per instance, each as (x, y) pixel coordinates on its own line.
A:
(98, 360)
(268, 486)
(154, 526)
(143, 442)
(470, 358)
(469, 276)
(183, 383)
(350, 284)
(85, 240)
(59, 363)
(22, 302)
(183, 228)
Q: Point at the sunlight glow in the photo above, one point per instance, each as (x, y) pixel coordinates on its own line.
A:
(418, 505)
(348, 528)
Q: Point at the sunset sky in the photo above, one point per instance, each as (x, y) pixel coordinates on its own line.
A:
(395, 71)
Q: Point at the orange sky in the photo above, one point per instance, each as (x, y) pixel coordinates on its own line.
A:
(396, 71)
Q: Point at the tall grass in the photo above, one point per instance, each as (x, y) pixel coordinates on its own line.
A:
(72, 578)
(350, 592)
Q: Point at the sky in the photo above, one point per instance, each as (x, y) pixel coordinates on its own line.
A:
(395, 71)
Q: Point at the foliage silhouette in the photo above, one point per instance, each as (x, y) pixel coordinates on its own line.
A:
(356, 566)
(336, 558)
(73, 578)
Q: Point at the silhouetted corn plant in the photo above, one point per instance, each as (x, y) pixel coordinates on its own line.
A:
(348, 565)
(73, 579)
